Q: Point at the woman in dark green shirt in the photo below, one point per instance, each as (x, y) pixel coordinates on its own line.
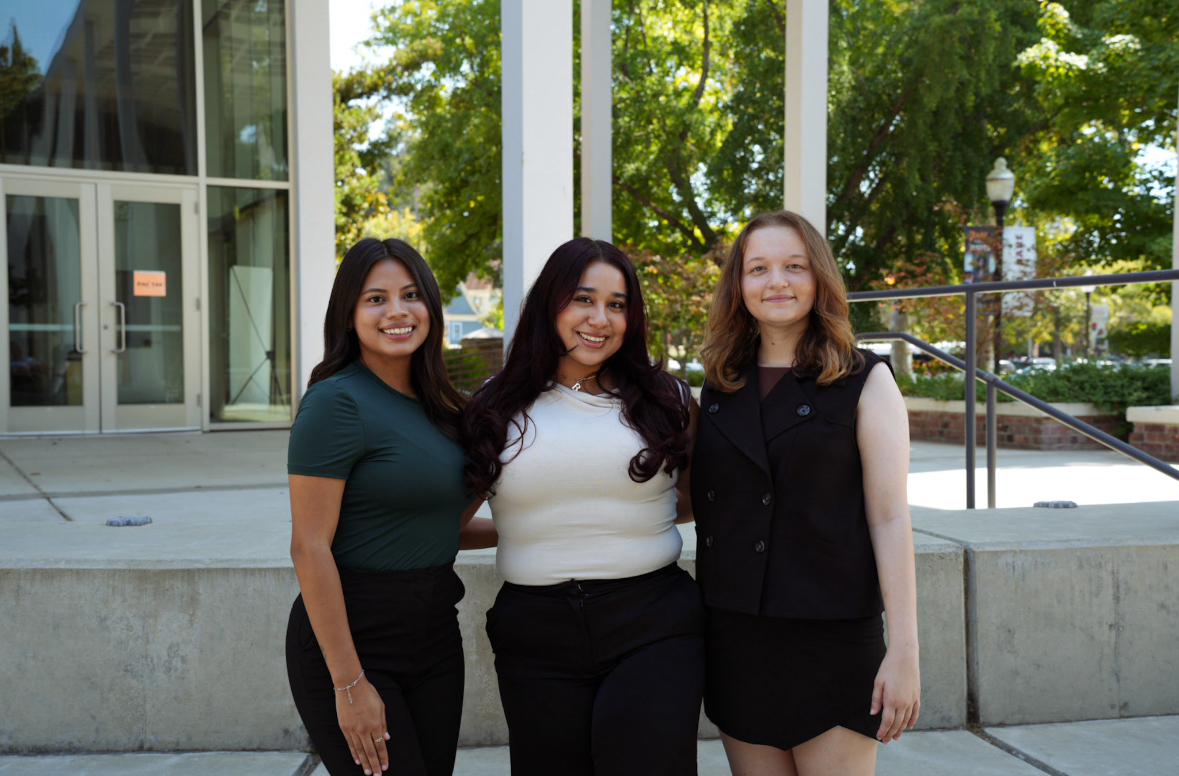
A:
(374, 654)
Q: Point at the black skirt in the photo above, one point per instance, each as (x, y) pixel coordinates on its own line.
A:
(780, 682)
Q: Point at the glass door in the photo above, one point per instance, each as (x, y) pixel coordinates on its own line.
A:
(148, 279)
(100, 305)
(49, 304)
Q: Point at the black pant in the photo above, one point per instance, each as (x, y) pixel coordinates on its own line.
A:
(601, 677)
(405, 627)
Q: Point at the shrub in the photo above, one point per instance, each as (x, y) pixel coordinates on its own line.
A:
(1111, 388)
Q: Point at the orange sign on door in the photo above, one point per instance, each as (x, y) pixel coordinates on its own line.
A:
(150, 283)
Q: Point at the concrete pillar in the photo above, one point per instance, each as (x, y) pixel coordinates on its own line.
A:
(596, 152)
(806, 110)
(537, 141)
(313, 223)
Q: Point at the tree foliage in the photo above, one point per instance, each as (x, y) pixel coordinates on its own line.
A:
(923, 96)
(1106, 76)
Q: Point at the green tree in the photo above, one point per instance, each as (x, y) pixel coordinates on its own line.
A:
(1106, 74)
(677, 289)
(445, 75)
(361, 160)
(20, 75)
(923, 96)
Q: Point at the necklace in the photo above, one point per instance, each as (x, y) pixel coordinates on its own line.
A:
(577, 382)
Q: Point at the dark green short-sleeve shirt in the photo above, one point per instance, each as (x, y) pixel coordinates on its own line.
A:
(404, 492)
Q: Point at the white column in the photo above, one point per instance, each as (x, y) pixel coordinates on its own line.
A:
(313, 220)
(1175, 285)
(596, 152)
(806, 110)
(537, 141)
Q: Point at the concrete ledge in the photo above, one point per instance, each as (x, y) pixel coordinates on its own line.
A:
(1071, 614)
(1167, 414)
(136, 654)
(1007, 409)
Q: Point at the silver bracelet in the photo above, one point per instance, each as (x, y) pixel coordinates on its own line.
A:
(348, 687)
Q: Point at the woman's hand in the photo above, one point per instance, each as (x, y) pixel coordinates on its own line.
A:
(363, 724)
(896, 694)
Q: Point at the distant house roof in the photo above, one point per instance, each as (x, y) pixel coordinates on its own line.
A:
(485, 333)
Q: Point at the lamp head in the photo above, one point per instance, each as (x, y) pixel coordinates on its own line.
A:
(1000, 182)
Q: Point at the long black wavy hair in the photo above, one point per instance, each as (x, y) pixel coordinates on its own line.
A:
(427, 370)
(652, 401)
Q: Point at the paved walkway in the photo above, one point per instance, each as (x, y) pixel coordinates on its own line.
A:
(226, 494)
(1146, 746)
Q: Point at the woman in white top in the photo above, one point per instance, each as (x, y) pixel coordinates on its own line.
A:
(581, 445)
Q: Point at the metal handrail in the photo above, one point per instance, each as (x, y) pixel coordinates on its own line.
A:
(994, 383)
(973, 373)
(1035, 284)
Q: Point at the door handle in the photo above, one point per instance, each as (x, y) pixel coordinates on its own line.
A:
(122, 327)
(78, 329)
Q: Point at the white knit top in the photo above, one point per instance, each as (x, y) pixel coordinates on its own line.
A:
(566, 508)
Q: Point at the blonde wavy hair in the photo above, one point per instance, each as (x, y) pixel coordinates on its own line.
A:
(828, 346)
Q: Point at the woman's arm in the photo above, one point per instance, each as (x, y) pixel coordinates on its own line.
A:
(315, 513)
(683, 486)
(882, 431)
(476, 533)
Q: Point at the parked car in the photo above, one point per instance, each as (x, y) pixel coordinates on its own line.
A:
(693, 366)
(1021, 365)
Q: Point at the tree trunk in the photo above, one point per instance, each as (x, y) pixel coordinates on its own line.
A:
(902, 360)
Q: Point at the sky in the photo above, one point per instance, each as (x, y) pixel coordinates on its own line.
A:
(349, 25)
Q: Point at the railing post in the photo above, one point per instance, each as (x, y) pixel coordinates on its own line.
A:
(992, 441)
(969, 382)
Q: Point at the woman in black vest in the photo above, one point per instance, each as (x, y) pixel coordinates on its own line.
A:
(802, 517)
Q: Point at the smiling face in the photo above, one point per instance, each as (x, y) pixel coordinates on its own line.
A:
(391, 318)
(593, 324)
(777, 282)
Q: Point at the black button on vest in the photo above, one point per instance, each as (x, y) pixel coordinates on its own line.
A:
(804, 410)
(707, 541)
(713, 409)
(759, 546)
(712, 495)
(766, 498)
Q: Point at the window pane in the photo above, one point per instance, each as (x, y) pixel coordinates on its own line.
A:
(249, 305)
(246, 88)
(44, 285)
(151, 367)
(98, 84)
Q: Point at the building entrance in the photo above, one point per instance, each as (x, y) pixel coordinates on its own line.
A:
(101, 306)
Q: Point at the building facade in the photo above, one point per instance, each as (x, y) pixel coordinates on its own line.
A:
(163, 219)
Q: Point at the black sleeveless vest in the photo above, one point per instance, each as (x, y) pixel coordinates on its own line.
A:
(778, 495)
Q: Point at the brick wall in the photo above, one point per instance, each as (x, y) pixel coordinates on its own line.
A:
(1016, 432)
(1158, 439)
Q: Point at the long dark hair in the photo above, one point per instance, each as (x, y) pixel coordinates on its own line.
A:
(652, 400)
(827, 347)
(427, 371)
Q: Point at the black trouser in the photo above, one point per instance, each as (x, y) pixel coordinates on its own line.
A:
(601, 677)
(405, 627)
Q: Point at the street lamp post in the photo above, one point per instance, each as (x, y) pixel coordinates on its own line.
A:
(1000, 189)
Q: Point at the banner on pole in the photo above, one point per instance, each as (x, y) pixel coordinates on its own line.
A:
(1019, 263)
(979, 256)
(1098, 328)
